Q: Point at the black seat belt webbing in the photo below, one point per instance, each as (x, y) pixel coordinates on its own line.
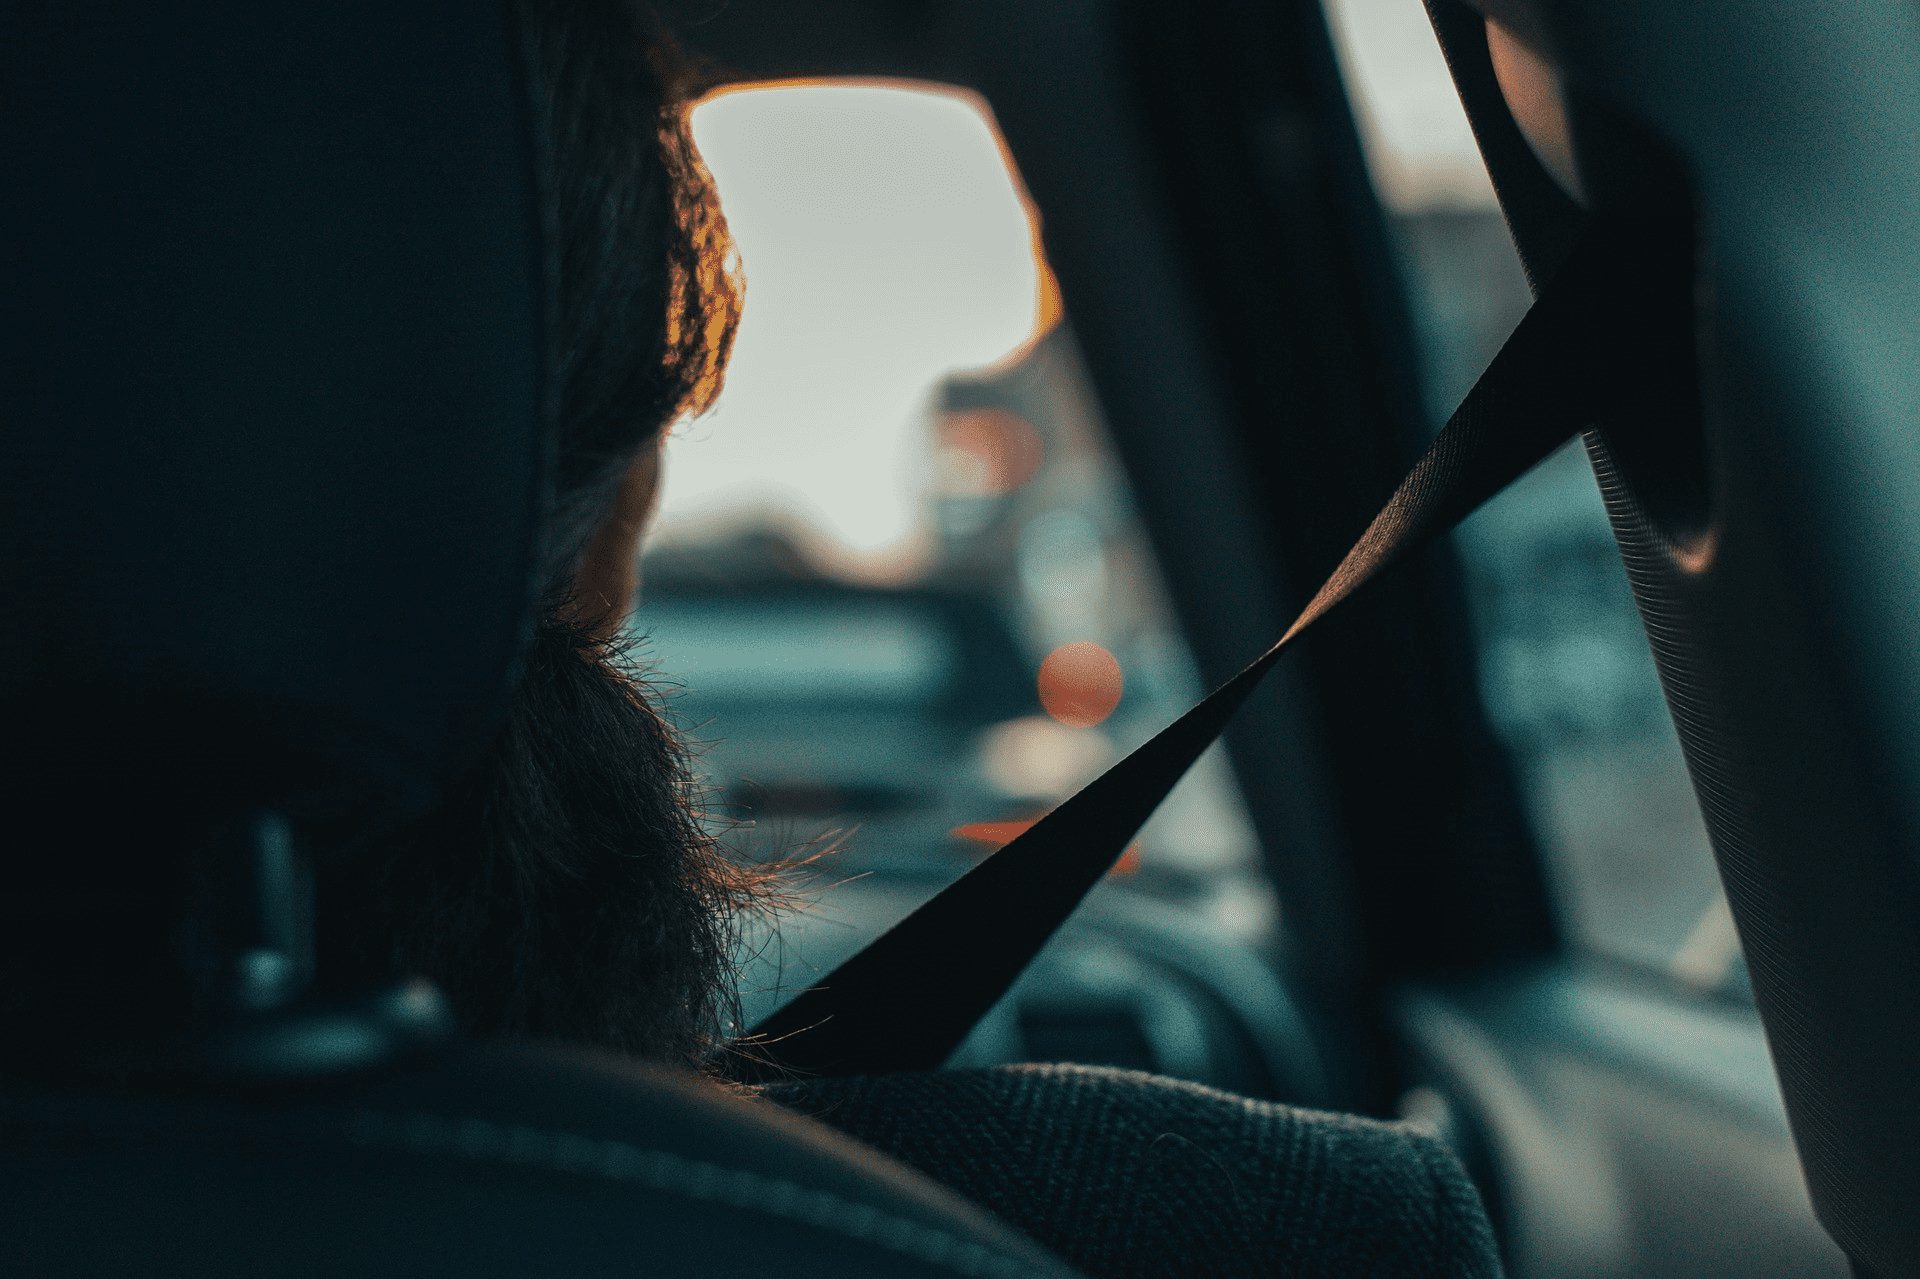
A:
(1613, 327)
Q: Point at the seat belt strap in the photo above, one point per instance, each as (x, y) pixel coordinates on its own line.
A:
(1611, 330)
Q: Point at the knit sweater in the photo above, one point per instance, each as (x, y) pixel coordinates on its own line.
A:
(1128, 1176)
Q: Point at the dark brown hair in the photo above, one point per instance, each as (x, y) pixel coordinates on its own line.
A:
(647, 289)
(570, 888)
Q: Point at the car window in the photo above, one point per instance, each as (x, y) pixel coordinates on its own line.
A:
(1565, 669)
(897, 582)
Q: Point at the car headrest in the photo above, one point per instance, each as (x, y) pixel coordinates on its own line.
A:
(271, 402)
(271, 467)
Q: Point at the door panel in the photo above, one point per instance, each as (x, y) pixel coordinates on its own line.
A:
(1620, 1127)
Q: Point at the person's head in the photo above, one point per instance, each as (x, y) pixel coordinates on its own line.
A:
(568, 888)
(647, 296)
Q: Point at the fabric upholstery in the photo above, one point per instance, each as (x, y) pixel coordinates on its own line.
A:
(1125, 1175)
(478, 1160)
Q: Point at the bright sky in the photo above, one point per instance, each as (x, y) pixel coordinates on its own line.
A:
(1419, 145)
(885, 244)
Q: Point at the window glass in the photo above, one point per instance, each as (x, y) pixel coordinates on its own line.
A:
(897, 572)
(1564, 664)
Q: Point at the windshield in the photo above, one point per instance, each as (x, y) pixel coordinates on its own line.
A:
(897, 577)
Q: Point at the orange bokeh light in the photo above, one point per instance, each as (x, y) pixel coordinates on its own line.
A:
(1080, 684)
(993, 834)
(997, 835)
(1004, 449)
